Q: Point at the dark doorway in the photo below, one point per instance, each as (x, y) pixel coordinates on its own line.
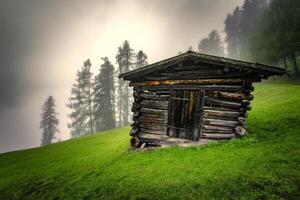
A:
(185, 114)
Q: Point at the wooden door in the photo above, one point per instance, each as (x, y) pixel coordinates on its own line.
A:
(185, 114)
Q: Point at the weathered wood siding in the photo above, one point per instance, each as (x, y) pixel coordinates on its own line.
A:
(224, 112)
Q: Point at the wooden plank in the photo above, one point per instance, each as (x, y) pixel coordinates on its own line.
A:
(184, 115)
(231, 96)
(217, 132)
(196, 76)
(153, 126)
(188, 82)
(218, 136)
(153, 111)
(210, 107)
(153, 96)
(195, 87)
(221, 103)
(198, 115)
(154, 131)
(171, 107)
(159, 105)
(217, 128)
(217, 122)
(221, 113)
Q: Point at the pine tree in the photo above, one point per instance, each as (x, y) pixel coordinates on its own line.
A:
(141, 59)
(277, 35)
(251, 12)
(103, 107)
(125, 63)
(49, 121)
(232, 31)
(212, 44)
(81, 102)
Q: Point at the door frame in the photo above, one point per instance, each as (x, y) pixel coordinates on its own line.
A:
(194, 130)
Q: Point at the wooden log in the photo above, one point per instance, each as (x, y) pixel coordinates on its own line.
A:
(220, 103)
(230, 96)
(216, 128)
(198, 113)
(160, 105)
(135, 124)
(137, 99)
(154, 131)
(157, 119)
(137, 89)
(226, 118)
(249, 87)
(194, 75)
(217, 132)
(187, 82)
(209, 113)
(162, 92)
(134, 131)
(245, 103)
(248, 82)
(153, 96)
(195, 87)
(247, 92)
(243, 112)
(242, 121)
(210, 107)
(240, 130)
(153, 111)
(152, 117)
(135, 107)
(244, 108)
(217, 122)
(218, 136)
(135, 142)
(146, 136)
(153, 126)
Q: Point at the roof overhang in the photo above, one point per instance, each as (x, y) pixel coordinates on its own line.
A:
(204, 58)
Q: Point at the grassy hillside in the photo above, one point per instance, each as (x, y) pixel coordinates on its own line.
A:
(262, 166)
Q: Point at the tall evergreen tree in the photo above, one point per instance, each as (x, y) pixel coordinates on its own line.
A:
(278, 34)
(141, 59)
(212, 44)
(232, 31)
(125, 63)
(81, 102)
(49, 121)
(103, 107)
(249, 17)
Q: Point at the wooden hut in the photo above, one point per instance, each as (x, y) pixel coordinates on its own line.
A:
(193, 98)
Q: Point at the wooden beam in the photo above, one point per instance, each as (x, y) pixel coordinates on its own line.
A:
(160, 105)
(218, 136)
(187, 82)
(195, 87)
(208, 113)
(152, 96)
(216, 128)
(220, 103)
(217, 122)
(231, 96)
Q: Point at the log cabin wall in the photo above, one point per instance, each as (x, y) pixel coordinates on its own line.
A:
(223, 113)
(193, 97)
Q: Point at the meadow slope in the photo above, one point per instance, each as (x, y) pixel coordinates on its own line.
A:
(264, 165)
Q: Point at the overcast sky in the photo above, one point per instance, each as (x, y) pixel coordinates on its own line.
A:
(43, 44)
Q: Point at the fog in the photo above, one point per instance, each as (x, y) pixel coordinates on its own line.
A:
(43, 44)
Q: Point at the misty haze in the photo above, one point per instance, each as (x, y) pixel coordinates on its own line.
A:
(44, 43)
(149, 99)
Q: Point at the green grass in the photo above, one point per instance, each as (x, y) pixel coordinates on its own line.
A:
(264, 165)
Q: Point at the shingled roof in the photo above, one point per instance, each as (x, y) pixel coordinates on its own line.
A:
(204, 58)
